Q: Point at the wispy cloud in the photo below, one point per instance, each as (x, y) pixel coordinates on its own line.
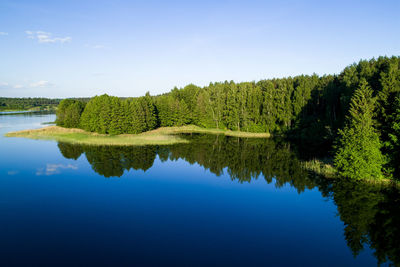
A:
(54, 169)
(12, 172)
(3, 33)
(46, 37)
(40, 84)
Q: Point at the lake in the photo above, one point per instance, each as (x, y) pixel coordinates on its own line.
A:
(215, 201)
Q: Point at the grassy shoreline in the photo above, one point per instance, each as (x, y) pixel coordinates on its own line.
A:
(168, 136)
(325, 168)
(197, 129)
(160, 136)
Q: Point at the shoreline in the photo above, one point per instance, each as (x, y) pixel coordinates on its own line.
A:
(168, 136)
(326, 169)
(159, 136)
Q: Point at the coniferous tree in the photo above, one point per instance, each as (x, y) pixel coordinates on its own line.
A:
(393, 145)
(97, 115)
(69, 113)
(309, 108)
(149, 112)
(117, 116)
(358, 152)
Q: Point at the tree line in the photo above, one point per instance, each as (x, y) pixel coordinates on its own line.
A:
(36, 103)
(356, 112)
(10, 103)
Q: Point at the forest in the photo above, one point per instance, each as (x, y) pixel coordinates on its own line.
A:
(354, 115)
(35, 103)
(10, 103)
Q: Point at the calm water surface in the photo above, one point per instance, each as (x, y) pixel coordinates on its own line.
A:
(215, 201)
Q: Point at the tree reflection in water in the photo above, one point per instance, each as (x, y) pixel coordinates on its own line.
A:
(370, 213)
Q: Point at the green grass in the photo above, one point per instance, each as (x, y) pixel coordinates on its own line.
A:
(160, 136)
(78, 136)
(322, 167)
(325, 168)
(197, 129)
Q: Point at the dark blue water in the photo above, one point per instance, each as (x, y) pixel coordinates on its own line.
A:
(216, 201)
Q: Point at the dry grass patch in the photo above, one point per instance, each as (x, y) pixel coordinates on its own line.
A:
(79, 136)
(197, 129)
(160, 136)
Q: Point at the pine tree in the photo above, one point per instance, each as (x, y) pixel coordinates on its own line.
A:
(149, 112)
(232, 109)
(117, 116)
(268, 110)
(393, 146)
(182, 113)
(97, 115)
(135, 117)
(390, 83)
(69, 113)
(358, 154)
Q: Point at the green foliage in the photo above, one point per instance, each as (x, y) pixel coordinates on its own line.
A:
(70, 151)
(149, 109)
(97, 115)
(69, 113)
(312, 109)
(172, 112)
(8, 103)
(111, 115)
(358, 153)
(393, 144)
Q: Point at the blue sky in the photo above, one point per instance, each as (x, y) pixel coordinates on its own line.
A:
(125, 48)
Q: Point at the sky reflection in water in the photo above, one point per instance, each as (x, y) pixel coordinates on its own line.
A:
(216, 201)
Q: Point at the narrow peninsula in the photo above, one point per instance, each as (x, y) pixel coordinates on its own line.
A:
(160, 136)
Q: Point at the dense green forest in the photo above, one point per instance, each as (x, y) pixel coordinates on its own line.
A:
(8, 103)
(370, 213)
(355, 115)
(35, 104)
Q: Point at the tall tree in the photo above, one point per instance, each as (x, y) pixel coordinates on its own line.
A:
(393, 145)
(69, 113)
(358, 153)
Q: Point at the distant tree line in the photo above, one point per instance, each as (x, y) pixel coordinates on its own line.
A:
(357, 111)
(9, 103)
(36, 103)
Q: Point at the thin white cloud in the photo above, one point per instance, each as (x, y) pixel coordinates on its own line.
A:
(3, 33)
(47, 37)
(4, 85)
(40, 84)
(12, 172)
(55, 169)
